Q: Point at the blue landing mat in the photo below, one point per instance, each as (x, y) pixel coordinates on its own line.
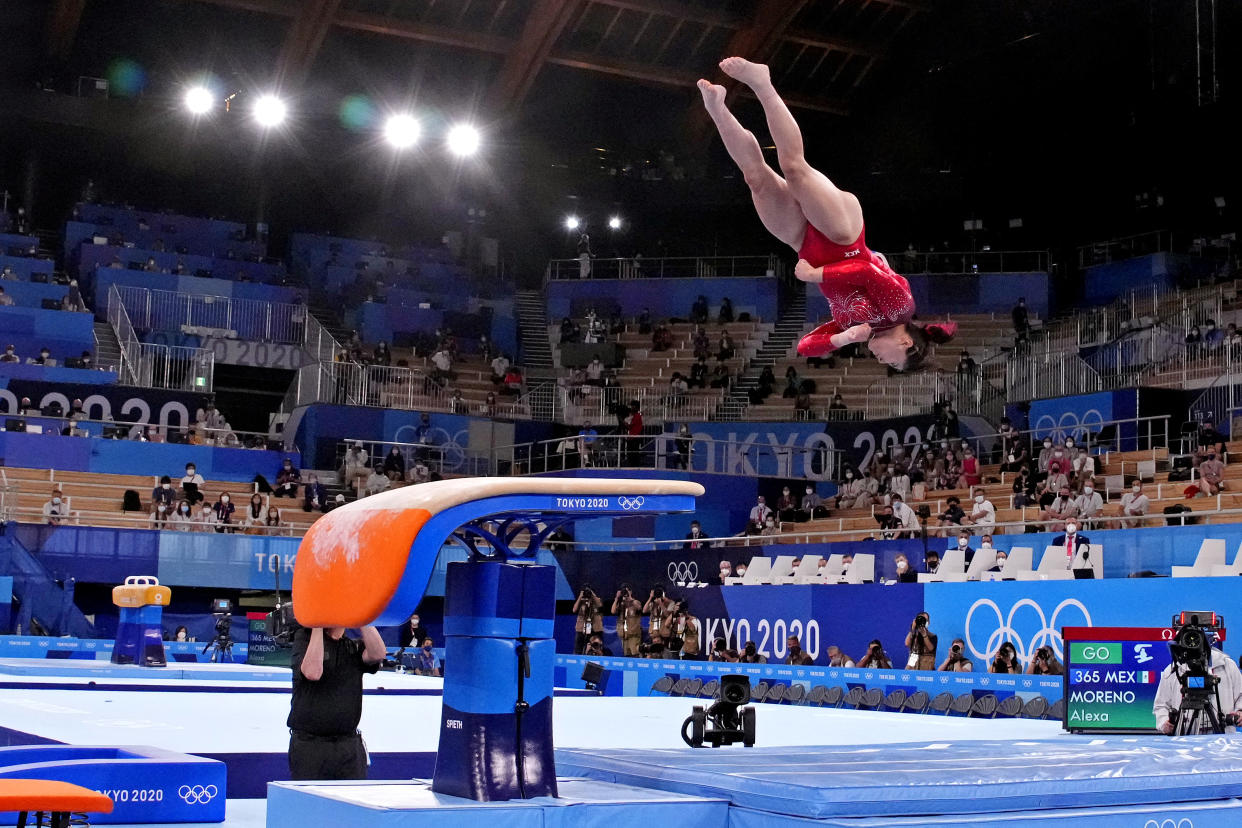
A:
(583, 803)
(933, 778)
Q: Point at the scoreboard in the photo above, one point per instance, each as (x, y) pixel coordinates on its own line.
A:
(1111, 676)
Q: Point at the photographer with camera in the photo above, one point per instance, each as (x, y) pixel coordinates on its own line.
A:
(595, 647)
(683, 639)
(1192, 650)
(324, 742)
(659, 608)
(875, 656)
(629, 612)
(1045, 663)
(957, 662)
(921, 642)
(589, 609)
(654, 648)
(1006, 660)
(751, 655)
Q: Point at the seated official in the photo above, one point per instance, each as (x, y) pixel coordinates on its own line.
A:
(324, 741)
(1169, 694)
(1072, 540)
(905, 574)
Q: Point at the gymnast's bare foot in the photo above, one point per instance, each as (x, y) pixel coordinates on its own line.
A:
(713, 95)
(754, 75)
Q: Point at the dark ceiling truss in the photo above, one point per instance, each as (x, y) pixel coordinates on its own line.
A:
(820, 51)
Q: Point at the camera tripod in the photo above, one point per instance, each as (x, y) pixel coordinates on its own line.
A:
(1199, 703)
(220, 647)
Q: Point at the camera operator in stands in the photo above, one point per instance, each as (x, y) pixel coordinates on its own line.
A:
(921, 642)
(1006, 660)
(323, 719)
(595, 647)
(629, 612)
(957, 662)
(875, 656)
(1045, 663)
(590, 620)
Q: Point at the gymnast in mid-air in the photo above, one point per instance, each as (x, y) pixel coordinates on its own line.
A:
(870, 303)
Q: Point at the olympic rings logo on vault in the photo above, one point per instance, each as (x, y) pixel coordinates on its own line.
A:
(629, 504)
(197, 794)
(1048, 631)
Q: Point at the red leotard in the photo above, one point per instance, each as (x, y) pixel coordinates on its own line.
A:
(859, 286)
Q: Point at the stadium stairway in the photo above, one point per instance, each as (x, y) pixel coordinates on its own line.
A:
(107, 346)
(789, 328)
(533, 329)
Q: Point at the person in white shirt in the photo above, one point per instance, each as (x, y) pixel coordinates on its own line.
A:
(500, 366)
(899, 484)
(205, 519)
(982, 514)
(1090, 505)
(907, 520)
(356, 468)
(180, 519)
(56, 509)
(1134, 505)
(443, 361)
(378, 481)
(1083, 465)
(594, 371)
(760, 513)
(1169, 693)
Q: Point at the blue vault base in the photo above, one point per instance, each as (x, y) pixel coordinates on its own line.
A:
(583, 803)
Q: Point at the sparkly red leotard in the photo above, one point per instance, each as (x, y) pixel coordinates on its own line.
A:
(859, 286)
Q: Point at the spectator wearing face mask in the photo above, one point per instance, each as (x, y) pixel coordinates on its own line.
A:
(1090, 505)
(1062, 509)
(695, 538)
(906, 522)
(205, 519)
(224, 509)
(1006, 660)
(1045, 456)
(272, 521)
(163, 494)
(1134, 506)
(255, 512)
(770, 529)
(905, 572)
(836, 658)
(192, 485)
(953, 515)
(56, 509)
(378, 481)
(394, 465)
(852, 494)
(970, 469)
(786, 506)
(288, 478)
(1023, 488)
(797, 656)
(812, 505)
(425, 660)
(759, 514)
(10, 354)
(982, 514)
(180, 520)
(315, 496)
(1001, 557)
(161, 512)
(1017, 459)
(963, 543)
(1072, 540)
(1211, 475)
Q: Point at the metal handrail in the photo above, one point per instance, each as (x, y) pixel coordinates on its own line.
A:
(232, 318)
(148, 365)
(666, 267)
(84, 517)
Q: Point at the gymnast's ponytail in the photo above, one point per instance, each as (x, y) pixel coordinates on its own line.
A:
(922, 338)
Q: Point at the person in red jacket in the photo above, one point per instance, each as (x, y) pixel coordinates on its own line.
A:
(804, 209)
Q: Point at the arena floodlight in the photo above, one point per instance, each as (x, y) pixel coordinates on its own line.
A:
(199, 100)
(401, 131)
(463, 140)
(614, 223)
(572, 223)
(269, 111)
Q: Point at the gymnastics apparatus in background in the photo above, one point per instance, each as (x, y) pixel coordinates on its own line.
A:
(369, 562)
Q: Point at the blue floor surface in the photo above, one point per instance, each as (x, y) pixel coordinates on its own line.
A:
(933, 778)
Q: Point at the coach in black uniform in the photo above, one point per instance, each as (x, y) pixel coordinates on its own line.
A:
(324, 742)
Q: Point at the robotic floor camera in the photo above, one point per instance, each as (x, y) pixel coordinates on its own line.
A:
(726, 721)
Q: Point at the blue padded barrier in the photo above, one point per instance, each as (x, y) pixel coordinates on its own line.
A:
(145, 784)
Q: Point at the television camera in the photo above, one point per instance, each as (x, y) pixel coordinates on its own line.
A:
(1191, 649)
(726, 721)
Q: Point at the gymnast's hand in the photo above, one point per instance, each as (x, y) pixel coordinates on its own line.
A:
(858, 333)
(805, 273)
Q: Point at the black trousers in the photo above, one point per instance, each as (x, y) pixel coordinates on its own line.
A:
(320, 757)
